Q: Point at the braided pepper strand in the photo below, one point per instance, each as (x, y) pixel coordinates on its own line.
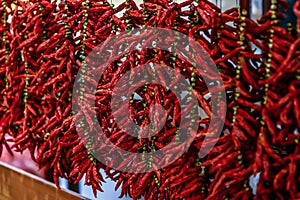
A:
(262, 143)
(66, 8)
(83, 68)
(127, 19)
(238, 74)
(145, 14)
(81, 52)
(4, 39)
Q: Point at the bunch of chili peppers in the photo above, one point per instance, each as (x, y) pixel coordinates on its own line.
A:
(45, 43)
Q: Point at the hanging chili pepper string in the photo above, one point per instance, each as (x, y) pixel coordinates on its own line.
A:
(153, 139)
(173, 63)
(193, 21)
(24, 55)
(127, 18)
(68, 32)
(218, 66)
(156, 179)
(66, 25)
(269, 56)
(239, 66)
(41, 8)
(25, 91)
(145, 14)
(262, 141)
(146, 104)
(4, 90)
(4, 41)
(42, 60)
(82, 48)
(83, 76)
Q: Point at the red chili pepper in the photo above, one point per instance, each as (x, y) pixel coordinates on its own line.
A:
(296, 110)
(264, 142)
(50, 43)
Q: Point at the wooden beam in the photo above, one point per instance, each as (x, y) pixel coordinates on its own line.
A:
(18, 184)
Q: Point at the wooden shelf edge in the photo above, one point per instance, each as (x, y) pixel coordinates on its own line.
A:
(18, 184)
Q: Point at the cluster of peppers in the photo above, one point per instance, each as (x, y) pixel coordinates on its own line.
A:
(44, 43)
